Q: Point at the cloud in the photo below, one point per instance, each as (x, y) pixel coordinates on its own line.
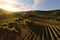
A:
(8, 5)
(18, 5)
(13, 4)
(36, 2)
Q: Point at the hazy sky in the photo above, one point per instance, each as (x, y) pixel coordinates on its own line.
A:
(23, 5)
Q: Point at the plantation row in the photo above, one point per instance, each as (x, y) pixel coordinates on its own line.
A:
(29, 30)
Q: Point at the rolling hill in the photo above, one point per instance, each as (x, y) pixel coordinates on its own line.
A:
(30, 25)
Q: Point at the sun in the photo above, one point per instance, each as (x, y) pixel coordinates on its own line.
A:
(9, 8)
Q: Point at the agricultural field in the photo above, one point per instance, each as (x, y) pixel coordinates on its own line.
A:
(35, 26)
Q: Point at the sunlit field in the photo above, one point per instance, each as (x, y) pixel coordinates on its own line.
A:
(31, 25)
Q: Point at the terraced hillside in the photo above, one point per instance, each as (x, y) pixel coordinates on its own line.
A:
(29, 27)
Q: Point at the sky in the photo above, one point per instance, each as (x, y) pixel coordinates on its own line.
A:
(26, 5)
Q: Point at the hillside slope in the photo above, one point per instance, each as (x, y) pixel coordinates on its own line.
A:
(31, 25)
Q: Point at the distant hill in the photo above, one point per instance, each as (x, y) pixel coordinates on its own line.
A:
(5, 14)
(33, 13)
(52, 14)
